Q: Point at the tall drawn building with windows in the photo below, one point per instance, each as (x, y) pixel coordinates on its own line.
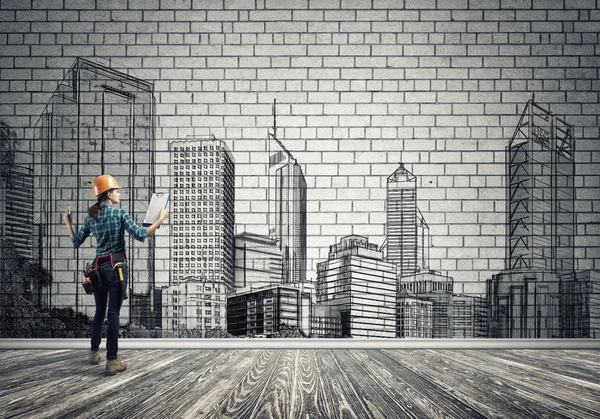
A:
(402, 233)
(524, 299)
(98, 121)
(202, 211)
(287, 210)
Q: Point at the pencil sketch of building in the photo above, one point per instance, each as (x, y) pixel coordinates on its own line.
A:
(268, 310)
(203, 188)
(192, 307)
(16, 195)
(98, 121)
(326, 322)
(414, 316)
(437, 289)
(540, 221)
(469, 317)
(401, 220)
(423, 242)
(287, 209)
(580, 304)
(361, 286)
(258, 261)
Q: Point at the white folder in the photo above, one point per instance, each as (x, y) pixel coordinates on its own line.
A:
(158, 202)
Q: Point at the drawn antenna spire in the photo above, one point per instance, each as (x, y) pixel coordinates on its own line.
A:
(274, 117)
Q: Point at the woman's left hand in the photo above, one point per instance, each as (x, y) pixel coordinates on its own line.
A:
(67, 217)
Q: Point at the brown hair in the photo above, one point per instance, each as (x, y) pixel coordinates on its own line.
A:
(94, 210)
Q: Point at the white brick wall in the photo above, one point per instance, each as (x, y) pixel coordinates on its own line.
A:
(360, 84)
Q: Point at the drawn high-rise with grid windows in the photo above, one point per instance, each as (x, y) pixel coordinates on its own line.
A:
(287, 210)
(402, 221)
(202, 211)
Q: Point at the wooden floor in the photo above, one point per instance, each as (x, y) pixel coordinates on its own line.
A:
(303, 383)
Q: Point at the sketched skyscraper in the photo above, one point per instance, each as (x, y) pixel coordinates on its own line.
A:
(540, 193)
(402, 220)
(202, 211)
(525, 299)
(98, 121)
(287, 210)
(16, 195)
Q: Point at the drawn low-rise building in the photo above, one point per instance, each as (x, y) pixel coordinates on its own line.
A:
(438, 289)
(258, 261)
(469, 317)
(361, 286)
(268, 311)
(414, 316)
(326, 322)
(580, 305)
(193, 307)
(523, 305)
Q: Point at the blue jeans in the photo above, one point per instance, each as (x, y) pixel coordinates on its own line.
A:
(110, 294)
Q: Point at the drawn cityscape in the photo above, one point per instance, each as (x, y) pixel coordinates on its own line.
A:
(200, 277)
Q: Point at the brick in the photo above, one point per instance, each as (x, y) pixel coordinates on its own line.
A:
(340, 15)
(279, 50)
(271, 15)
(324, 4)
(371, 15)
(285, 27)
(451, 50)
(447, 27)
(467, 15)
(16, 4)
(366, 26)
(175, 4)
(419, 4)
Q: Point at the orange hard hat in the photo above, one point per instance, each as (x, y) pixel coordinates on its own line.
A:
(104, 183)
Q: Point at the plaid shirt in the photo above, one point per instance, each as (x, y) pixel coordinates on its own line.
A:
(107, 230)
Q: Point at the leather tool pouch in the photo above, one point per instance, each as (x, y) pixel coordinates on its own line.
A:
(93, 281)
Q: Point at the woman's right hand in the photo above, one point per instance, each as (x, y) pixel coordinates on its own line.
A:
(163, 214)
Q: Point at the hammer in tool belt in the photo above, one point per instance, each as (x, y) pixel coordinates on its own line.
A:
(119, 267)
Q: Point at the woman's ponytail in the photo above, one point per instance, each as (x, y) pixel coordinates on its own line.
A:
(94, 210)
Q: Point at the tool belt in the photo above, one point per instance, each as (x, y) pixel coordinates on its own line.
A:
(93, 281)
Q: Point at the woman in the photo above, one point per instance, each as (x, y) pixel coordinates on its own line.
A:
(107, 224)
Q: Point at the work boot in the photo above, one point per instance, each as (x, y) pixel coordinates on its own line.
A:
(94, 357)
(114, 366)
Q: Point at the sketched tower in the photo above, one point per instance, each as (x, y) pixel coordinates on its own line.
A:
(524, 299)
(540, 193)
(203, 239)
(401, 220)
(287, 211)
(98, 121)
